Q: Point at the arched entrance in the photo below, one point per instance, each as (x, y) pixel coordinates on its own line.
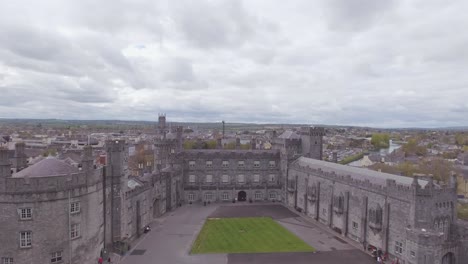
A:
(241, 196)
(448, 258)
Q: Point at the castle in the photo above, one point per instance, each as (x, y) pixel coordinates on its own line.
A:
(53, 212)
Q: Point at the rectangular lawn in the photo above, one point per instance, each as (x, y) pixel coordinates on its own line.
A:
(246, 235)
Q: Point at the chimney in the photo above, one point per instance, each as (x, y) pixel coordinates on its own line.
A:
(238, 145)
(20, 156)
(5, 166)
(219, 143)
(335, 157)
(87, 161)
(253, 144)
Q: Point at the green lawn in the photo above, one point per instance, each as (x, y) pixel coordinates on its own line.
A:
(246, 235)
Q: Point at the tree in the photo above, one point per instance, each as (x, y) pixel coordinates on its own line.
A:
(380, 140)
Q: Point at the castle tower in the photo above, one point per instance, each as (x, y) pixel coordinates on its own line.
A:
(115, 181)
(162, 123)
(312, 142)
(5, 168)
(87, 162)
(20, 156)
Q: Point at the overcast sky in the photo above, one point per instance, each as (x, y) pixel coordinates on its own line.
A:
(376, 63)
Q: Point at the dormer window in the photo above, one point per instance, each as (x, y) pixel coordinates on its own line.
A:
(192, 164)
(209, 178)
(256, 164)
(240, 164)
(225, 164)
(272, 164)
(209, 163)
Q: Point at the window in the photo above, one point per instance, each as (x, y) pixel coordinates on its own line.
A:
(241, 178)
(398, 247)
(191, 164)
(191, 197)
(256, 178)
(240, 164)
(208, 196)
(74, 231)
(25, 239)
(209, 178)
(56, 257)
(258, 196)
(209, 163)
(191, 178)
(271, 178)
(140, 165)
(148, 163)
(7, 260)
(74, 207)
(273, 195)
(225, 178)
(355, 225)
(225, 164)
(272, 164)
(225, 196)
(324, 211)
(413, 254)
(25, 213)
(256, 164)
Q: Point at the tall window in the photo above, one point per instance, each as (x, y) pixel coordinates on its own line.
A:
(25, 239)
(258, 195)
(56, 257)
(271, 178)
(225, 178)
(256, 164)
(74, 207)
(25, 213)
(7, 260)
(208, 196)
(241, 178)
(272, 164)
(225, 164)
(355, 225)
(398, 247)
(272, 195)
(209, 163)
(240, 164)
(209, 178)
(225, 196)
(256, 178)
(191, 197)
(191, 179)
(74, 231)
(191, 164)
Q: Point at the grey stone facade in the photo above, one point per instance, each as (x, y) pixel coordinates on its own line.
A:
(413, 220)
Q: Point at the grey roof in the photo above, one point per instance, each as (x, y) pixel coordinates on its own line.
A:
(288, 134)
(47, 167)
(357, 173)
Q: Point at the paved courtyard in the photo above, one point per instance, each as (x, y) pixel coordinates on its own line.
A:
(171, 238)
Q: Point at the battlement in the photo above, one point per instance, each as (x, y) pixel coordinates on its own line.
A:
(313, 131)
(50, 184)
(115, 145)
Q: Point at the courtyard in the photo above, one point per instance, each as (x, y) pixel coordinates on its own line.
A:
(246, 235)
(173, 238)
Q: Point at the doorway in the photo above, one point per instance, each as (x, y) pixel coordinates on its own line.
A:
(241, 196)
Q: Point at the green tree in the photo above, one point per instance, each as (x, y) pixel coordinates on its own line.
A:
(380, 140)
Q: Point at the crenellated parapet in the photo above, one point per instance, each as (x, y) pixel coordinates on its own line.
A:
(231, 154)
(51, 184)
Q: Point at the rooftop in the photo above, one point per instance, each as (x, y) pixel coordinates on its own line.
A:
(374, 177)
(49, 166)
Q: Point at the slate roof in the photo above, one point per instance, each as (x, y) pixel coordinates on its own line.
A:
(357, 173)
(49, 166)
(288, 134)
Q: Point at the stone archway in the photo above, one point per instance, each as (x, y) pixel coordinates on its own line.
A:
(241, 196)
(448, 258)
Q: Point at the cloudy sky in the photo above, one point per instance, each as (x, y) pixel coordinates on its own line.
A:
(392, 63)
